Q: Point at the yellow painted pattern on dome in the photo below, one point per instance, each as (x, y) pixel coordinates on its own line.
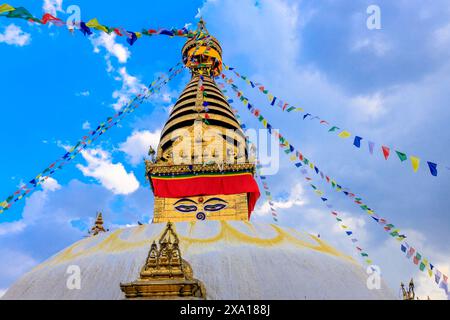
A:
(113, 243)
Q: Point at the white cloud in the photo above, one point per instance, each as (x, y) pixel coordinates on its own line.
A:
(52, 6)
(86, 125)
(130, 86)
(426, 287)
(108, 41)
(112, 176)
(83, 94)
(14, 35)
(7, 228)
(442, 37)
(375, 45)
(369, 107)
(50, 184)
(137, 144)
(296, 198)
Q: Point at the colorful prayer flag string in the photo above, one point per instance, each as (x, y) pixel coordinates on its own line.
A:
(262, 178)
(300, 160)
(349, 233)
(26, 189)
(344, 134)
(86, 28)
(267, 193)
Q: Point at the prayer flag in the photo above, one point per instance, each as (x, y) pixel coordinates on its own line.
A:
(333, 129)
(371, 146)
(6, 8)
(85, 29)
(385, 152)
(437, 276)
(20, 13)
(433, 168)
(357, 142)
(48, 17)
(415, 163)
(93, 23)
(344, 134)
(401, 156)
(132, 38)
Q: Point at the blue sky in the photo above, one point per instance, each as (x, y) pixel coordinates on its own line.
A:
(389, 85)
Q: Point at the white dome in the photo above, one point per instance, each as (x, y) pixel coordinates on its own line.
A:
(234, 260)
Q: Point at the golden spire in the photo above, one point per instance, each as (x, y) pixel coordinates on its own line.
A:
(98, 226)
(202, 168)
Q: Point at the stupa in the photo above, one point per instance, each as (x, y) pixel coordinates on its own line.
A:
(202, 242)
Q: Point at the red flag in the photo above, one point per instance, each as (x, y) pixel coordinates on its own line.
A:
(385, 152)
(117, 31)
(49, 18)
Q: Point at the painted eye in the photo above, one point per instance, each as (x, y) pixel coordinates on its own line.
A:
(214, 207)
(185, 208)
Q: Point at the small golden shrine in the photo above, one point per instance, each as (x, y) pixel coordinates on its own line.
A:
(98, 226)
(165, 274)
(408, 294)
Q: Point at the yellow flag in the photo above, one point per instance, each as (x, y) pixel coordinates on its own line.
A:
(415, 163)
(293, 157)
(93, 23)
(311, 165)
(138, 34)
(344, 227)
(369, 261)
(6, 8)
(264, 122)
(270, 97)
(4, 204)
(344, 134)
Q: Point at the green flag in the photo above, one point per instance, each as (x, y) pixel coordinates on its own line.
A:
(401, 155)
(333, 129)
(21, 13)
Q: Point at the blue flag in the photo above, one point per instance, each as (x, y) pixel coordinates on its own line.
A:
(357, 142)
(132, 39)
(85, 29)
(433, 168)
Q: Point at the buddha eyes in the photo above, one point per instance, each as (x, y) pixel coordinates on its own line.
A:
(186, 208)
(214, 207)
(211, 205)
